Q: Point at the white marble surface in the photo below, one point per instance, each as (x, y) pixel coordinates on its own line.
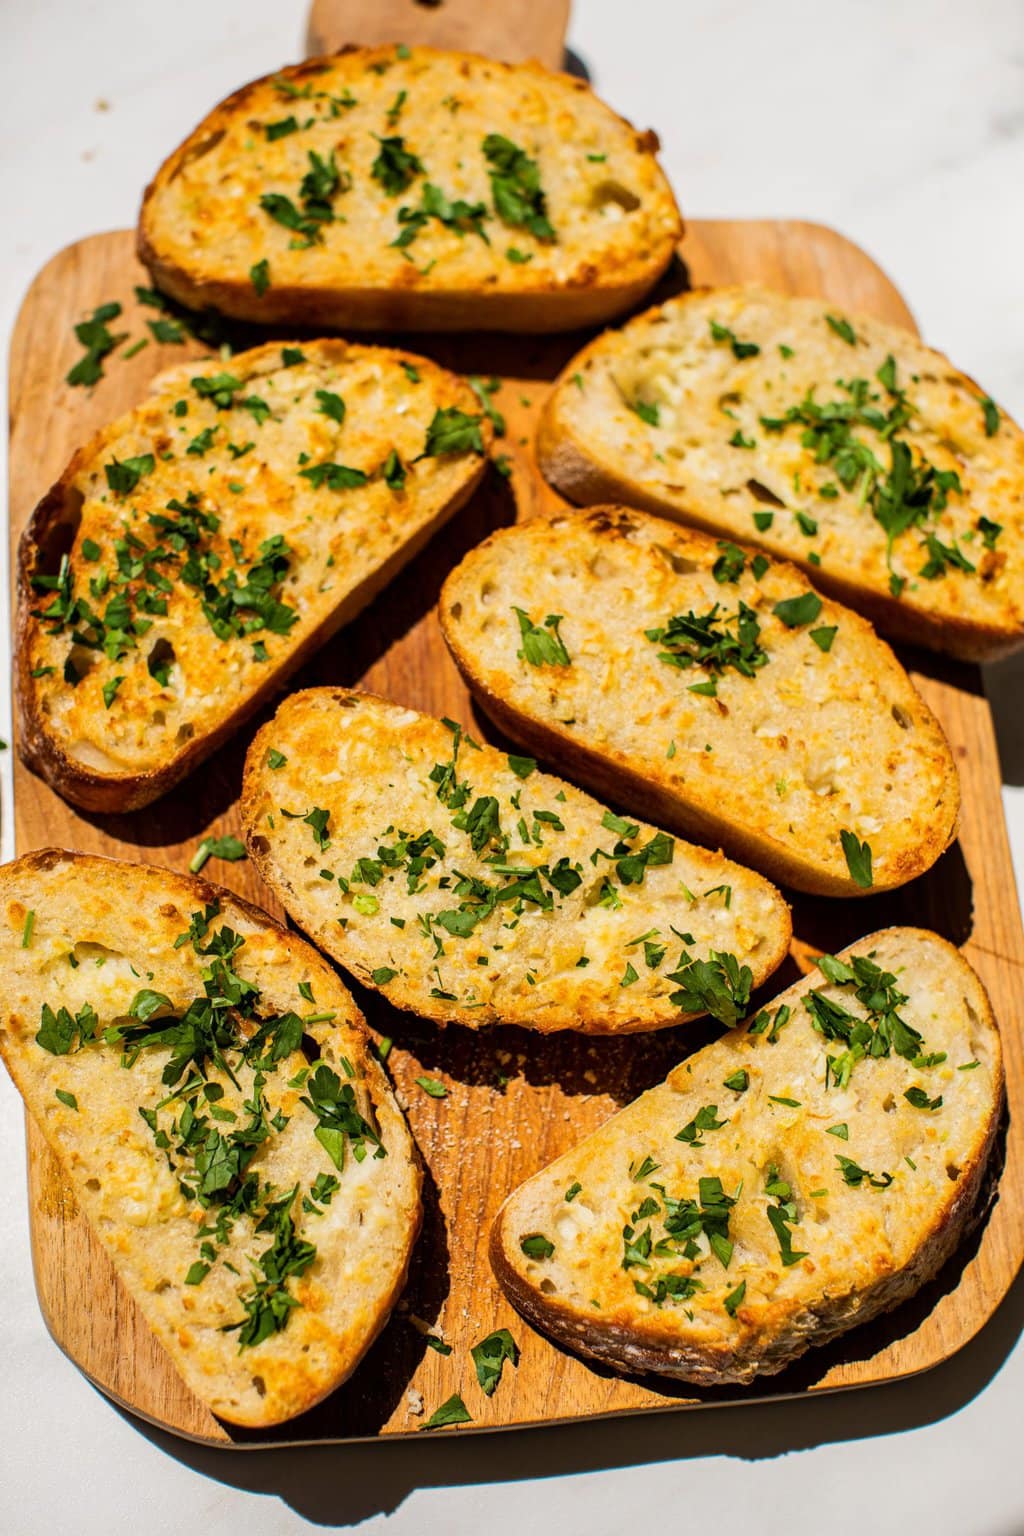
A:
(901, 122)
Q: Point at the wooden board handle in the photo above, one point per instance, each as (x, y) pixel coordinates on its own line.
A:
(512, 30)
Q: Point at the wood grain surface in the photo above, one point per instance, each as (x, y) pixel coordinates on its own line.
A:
(515, 1101)
(526, 29)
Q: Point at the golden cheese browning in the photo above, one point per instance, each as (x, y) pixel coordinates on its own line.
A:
(198, 548)
(412, 189)
(801, 1175)
(468, 886)
(712, 689)
(835, 441)
(205, 1081)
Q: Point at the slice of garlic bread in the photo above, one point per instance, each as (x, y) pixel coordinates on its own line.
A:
(808, 1171)
(709, 688)
(411, 189)
(836, 441)
(199, 548)
(469, 887)
(205, 1081)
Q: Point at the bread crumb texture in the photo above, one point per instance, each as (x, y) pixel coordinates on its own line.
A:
(205, 1081)
(713, 683)
(200, 545)
(467, 885)
(809, 1170)
(416, 174)
(834, 440)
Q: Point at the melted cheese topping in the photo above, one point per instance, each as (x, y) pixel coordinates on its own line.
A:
(241, 462)
(578, 960)
(711, 456)
(827, 734)
(606, 197)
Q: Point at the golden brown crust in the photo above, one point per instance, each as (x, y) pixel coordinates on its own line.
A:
(84, 906)
(52, 530)
(944, 615)
(729, 807)
(518, 297)
(768, 1330)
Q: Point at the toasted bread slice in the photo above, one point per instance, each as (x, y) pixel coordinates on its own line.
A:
(468, 887)
(788, 734)
(198, 549)
(206, 1083)
(838, 442)
(412, 190)
(760, 1201)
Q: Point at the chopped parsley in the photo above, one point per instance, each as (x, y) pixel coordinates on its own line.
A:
(269, 1304)
(842, 328)
(740, 349)
(858, 859)
(123, 475)
(879, 1034)
(460, 217)
(484, 389)
(452, 431)
(98, 341)
(920, 1100)
(796, 611)
(782, 1216)
(452, 1411)
(519, 199)
(734, 1300)
(216, 848)
(489, 1357)
(718, 985)
(395, 167)
(855, 1175)
(714, 640)
(706, 1119)
(543, 646)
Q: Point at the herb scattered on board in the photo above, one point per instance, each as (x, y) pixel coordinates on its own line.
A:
(229, 848)
(489, 1357)
(452, 1411)
(99, 341)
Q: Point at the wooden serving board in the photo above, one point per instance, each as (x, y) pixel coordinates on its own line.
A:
(513, 31)
(514, 1101)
